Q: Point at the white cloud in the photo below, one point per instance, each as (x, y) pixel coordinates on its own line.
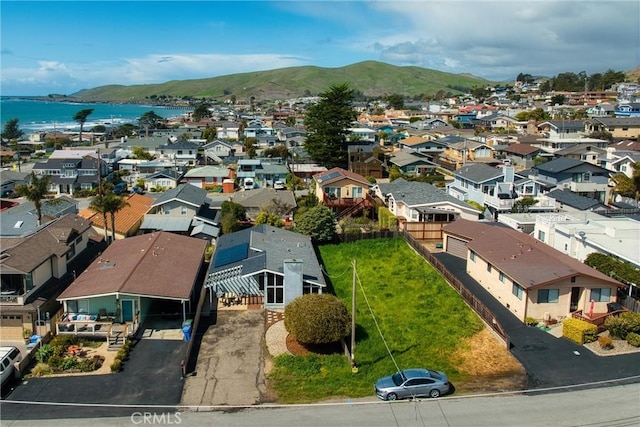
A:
(500, 39)
(157, 68)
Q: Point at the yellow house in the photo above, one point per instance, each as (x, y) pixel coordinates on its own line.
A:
(528, 277)
(343, 191)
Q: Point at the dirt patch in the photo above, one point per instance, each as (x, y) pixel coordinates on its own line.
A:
(489, 366)
(298, 349)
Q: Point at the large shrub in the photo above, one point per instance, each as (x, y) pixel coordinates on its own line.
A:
(317, 319)
(318, 222)
(620, 326)
(579, 331)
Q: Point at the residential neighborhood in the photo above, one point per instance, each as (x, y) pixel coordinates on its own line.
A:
(200, 238)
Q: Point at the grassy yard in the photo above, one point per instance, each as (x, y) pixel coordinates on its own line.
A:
(421, 317)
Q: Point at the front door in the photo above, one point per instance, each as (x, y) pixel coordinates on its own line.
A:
(575, 299)
(128, 310)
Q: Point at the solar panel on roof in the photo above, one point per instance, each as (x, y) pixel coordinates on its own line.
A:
(231, 254)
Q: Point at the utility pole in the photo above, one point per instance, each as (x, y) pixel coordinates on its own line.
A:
(353, 321)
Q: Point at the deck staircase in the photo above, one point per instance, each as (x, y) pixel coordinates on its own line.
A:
(116, 337)
(366, 202)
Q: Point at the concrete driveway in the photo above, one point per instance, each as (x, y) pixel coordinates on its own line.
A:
(230, 366)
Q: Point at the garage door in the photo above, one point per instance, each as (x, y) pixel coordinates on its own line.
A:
(11, 328)
(456, 247)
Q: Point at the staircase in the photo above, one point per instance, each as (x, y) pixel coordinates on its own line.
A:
(367, 202)
(115, 341)
(116, 336)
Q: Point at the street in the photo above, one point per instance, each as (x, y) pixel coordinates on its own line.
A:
(596, 407)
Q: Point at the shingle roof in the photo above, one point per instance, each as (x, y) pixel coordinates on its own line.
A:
(266, 247)
(126, 219)
(415, 193)
(260, 197)
(337, 174)
(574, 200)
(479, 172)
(519, 255)
(205, 171)
(53, 239)
(558, 165)
(186, 193)
(162, 265)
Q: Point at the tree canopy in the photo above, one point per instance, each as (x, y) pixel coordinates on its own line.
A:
(81, 117)
(12, 131)
(149, 120)
(34, 191)
(318, 222)
(327, 124)
(201, 111)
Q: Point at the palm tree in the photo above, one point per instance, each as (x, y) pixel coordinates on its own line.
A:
(81, 117)
(113, 204)
(98, 204)
(34, 191)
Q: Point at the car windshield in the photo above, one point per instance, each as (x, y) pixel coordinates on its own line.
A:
(397, 378)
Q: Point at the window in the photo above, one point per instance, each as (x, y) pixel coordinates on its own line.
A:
(473, 256)
(78, 306)
(573, 279)
(489, 268)
(548, 295)
(275, 289)
(601, 294)
(541, 235)
(517, 290)
(183, 210)
(501, 277)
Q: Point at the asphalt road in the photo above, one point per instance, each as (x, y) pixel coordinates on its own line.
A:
(151, 376)
(616, 406)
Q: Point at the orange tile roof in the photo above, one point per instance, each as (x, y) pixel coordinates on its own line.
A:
(413, 140)
(127, 218)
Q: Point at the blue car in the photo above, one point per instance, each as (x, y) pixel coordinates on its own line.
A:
(411, 383)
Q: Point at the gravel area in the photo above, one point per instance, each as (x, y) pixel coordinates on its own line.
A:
(276, 339)
(619, 347)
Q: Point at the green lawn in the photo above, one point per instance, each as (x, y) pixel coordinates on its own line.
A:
(421, 317)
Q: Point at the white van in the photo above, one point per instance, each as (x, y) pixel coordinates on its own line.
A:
(8, 356)
(248, 184)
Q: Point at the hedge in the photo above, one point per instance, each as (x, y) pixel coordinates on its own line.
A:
(579, 331)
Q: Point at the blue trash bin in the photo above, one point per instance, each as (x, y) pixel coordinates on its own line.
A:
(186, 331)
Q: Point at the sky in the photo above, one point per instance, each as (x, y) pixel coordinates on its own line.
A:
(63, 46)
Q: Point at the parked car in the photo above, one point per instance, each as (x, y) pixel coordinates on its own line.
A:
(8, 356)
(278, 185)
(416, 382)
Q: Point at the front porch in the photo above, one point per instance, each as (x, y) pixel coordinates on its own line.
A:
(93, 326)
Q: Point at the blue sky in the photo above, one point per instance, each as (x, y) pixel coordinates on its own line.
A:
(63, 46)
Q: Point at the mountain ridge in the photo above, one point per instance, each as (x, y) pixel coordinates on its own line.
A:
(372, 78)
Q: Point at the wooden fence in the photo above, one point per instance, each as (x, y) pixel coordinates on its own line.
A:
(473, 302)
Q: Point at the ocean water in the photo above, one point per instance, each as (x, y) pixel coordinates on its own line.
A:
(36, 115)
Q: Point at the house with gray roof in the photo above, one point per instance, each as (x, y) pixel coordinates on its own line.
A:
(582, 178)
(71, 174)
(420, 202)
(498, 189)
(264, 265)
(280, 202)
(9, 179)
(22, 220)
(562, 128)
(35, 269)
(181, 151)
(179, 210)
(568, 201)
(217, 151)
(261, 172)
(164, 179)
(410, 162)
(208, 177)
(618, 127)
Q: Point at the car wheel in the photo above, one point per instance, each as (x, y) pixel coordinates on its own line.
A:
(434, 393)
(392, 396)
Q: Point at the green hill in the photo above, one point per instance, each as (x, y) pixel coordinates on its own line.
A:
(370, 77)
